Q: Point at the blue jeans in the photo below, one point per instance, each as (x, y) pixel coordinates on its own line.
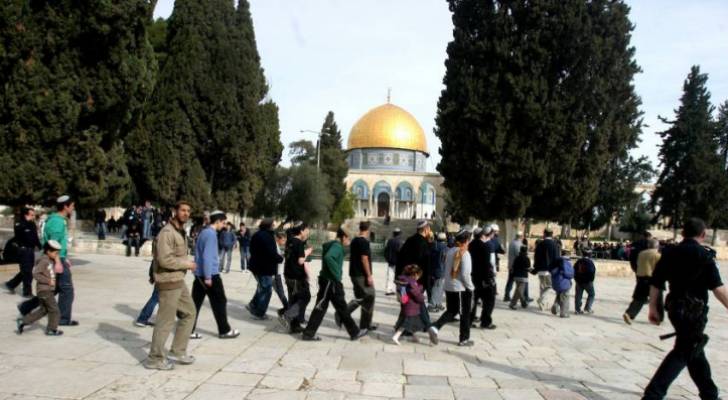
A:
(65, 292)
(259, 303)
(580, 288)
(148, 309)
(244, 256)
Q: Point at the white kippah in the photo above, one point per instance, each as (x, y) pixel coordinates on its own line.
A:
(216, 212)
(54, 245)
(62, 199)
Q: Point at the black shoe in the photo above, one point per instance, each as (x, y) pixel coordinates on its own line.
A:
(296, 329)
(491, 327)
(361, 334)
(8, 288)
(69, 323)
(506, 299)
(306, 338)
(57, 332)
(372, 328)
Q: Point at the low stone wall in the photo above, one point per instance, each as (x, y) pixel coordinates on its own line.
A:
(613, 268)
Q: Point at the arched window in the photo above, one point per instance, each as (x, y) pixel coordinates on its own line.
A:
(360, 190)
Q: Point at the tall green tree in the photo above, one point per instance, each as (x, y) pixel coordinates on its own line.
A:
(333, 158)
(692, 182)
(73, 78)
(211, 134)
(538, 100)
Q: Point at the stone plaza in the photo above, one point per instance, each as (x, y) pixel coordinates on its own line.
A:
(532, 354)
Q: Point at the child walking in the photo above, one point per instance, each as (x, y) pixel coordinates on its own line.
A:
(561, 277)
(44, 274)
(521, 268)
(412, 300)
(584, 273)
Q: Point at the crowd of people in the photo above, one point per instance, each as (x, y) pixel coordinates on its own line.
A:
(428, 273)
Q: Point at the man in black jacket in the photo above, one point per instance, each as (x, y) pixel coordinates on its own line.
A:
(481, 254)
(26, 236)
(691, 271)
(546, 254)
(416, 250)
(264, 260)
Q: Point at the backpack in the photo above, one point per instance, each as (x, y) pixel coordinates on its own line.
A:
(567, 270)
(402, 296)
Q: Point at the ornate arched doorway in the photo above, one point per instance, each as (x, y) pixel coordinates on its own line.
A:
(383, 204)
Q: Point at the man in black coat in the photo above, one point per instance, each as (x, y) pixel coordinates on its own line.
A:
(416, 250)
(546, 254)
(264, 260)
(481, 254)
(26, 236)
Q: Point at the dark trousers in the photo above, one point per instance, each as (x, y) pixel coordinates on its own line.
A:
(64, 287)
(457, 303)
(280, 290)
(591, 294)
(26, 259)
(299, 295)
(48, 306)
(330, 292)
(218, 301)
(259, 303)
(135, 242)
(487, 294)
(685, 354)
(520, 294)
(640, 297)
(363, 296)
(148, 309)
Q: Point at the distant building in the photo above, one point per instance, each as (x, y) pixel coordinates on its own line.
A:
(387, 155)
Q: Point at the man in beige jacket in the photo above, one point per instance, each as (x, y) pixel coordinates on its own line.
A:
(646, 262)
(170, 266)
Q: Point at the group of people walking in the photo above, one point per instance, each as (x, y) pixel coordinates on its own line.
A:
(422, 270)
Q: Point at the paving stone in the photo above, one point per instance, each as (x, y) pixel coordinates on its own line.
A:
(475, 393)
(434, 368)
(520, 394)
(281, 382)
(219, 392)
(390, 390)
(235, 379)
(428, 392)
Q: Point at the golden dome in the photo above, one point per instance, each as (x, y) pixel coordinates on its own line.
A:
(388, 126)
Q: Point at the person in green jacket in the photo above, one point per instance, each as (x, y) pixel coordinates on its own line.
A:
(331, 290)
(56, 228)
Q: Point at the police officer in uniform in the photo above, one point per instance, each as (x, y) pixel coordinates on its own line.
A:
(26, 235)
(691, 271)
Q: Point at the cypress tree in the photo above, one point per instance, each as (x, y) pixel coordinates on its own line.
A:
(333, 159)
(692, 182)
(538, 99)
(210, 134)
(721, 126)
(74, 76)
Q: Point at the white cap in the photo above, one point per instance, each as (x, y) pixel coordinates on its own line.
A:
(488, 230)
(441, 236)
(216, 212)
(63, 199)
(495, 227)
(53, 245)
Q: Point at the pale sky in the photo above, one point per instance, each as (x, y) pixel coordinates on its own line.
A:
(343, 55)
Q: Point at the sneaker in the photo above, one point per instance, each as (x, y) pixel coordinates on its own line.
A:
(182, 360)
(260, 317)
(578, 312)
(490, 327)
(56, 332)
(195, 336)
(434, 333)
(69, 323)
(466, 343)
(627, 318)
(395, 340)
(361, 334)
(140, 324)
(589, 311)
(165, 365)
(20, 325)
(310, 338)
(230, 335)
